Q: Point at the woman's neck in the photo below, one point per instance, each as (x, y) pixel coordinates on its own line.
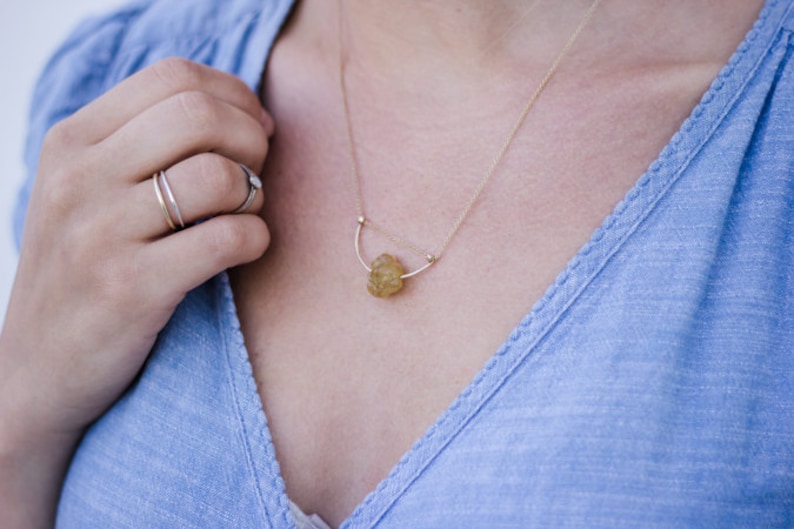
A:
(433, 55)
(498, 34)
(468, 36)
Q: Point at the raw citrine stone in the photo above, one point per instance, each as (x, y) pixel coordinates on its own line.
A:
(385, 278)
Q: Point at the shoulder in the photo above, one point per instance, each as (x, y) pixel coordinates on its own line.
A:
(104, 50)
(788, 22)
(145, 30)
(758, 80)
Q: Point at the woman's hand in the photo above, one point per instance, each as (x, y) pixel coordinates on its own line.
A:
(101, 272)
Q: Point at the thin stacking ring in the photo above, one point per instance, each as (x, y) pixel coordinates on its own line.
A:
(169, 195)
(254, 183)
(161, 200)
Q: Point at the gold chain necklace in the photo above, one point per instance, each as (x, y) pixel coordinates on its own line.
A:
(386, 273)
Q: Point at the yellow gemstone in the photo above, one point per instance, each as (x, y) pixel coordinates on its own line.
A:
(385, 278)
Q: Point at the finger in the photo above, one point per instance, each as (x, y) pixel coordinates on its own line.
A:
(202, 186)
(186, 259)
(154, 84)
(184, 125)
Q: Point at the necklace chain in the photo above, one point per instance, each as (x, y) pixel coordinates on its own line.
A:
(363, 220)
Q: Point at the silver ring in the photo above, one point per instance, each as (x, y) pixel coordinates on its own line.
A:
(161, 200)
(254, 184)
(171, 200)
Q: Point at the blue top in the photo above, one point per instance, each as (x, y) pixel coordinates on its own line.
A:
(652, 386)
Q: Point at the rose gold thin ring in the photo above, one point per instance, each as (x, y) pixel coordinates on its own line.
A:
(161, 200)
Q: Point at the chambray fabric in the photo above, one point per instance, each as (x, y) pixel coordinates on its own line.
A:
(652, 386)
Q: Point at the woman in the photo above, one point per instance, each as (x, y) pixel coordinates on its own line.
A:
(649, 385)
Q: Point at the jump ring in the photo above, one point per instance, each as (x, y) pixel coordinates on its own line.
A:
(156, 179)
(254, 183)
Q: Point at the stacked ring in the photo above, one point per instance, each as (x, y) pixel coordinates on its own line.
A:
(169, 206)
(254, 183)
(171, 200)
(161, 183)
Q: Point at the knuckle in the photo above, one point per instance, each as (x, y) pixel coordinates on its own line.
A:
(229, 239)
(215, 176)
(58, 196)
(60, 136)
(200, 110)
(177, 73)
(62, 186)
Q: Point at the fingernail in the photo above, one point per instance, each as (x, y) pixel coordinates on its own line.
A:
(267, 121)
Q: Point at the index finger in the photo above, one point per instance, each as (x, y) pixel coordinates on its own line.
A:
(99, 119)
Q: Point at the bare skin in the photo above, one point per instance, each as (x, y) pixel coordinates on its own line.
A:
(349, 382)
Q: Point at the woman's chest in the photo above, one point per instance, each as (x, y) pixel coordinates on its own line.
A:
(350, 381)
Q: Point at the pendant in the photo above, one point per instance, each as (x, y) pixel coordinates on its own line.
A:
(385, 276)
(386, 273)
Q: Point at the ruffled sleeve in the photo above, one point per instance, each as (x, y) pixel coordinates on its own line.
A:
(234, 36)
(76, 74)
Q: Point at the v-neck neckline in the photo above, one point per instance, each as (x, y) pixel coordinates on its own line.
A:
(580, 272)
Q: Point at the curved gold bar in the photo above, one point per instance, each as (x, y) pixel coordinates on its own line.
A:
(431, 259)
(361, 221)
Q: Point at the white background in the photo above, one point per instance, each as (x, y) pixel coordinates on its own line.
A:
(30, 30)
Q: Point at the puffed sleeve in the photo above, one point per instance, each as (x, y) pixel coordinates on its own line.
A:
(77, 73)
